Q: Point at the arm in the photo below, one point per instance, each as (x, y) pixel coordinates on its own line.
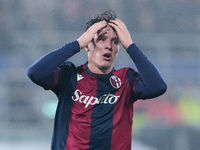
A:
(42, 71)
(150, 84)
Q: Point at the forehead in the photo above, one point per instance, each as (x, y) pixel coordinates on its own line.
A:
(107, 30)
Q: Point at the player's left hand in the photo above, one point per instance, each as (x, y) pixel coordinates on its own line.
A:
(87, 37)
(122, 32)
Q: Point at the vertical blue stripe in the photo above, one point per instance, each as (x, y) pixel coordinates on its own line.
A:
(63, 115)
(102, 119)
(61, 125)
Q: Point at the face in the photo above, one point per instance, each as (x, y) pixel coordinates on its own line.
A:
(103, 50)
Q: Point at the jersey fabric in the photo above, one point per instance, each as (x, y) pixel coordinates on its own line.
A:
(95, 111)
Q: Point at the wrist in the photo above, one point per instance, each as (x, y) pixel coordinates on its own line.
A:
(126, 46)
(80, 43)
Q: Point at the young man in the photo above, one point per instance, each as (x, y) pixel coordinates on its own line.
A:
(95, 107)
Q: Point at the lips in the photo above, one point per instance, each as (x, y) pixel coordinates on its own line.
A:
(107, 56)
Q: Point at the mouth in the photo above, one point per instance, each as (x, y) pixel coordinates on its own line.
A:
(107, 56)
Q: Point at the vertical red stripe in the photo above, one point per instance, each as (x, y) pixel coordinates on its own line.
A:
(122, 120)
(80, 122)
(56, 78)
(113, 82)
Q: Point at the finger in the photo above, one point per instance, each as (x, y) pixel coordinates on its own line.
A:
(113, 25)
(114, 22)
(119, 23)
(97, 26)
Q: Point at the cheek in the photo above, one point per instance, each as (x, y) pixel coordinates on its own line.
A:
(100, 45)
(116, 54)
(94, 54)
(97, 51)
(116, 50)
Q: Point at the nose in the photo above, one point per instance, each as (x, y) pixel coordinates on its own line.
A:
(108, 45)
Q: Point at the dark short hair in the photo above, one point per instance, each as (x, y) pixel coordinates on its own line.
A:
(107, 16)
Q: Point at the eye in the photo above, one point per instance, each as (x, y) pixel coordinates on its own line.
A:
(103, 39)
(116, 41)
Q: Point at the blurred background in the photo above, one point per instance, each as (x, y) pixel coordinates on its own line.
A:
(167, 31)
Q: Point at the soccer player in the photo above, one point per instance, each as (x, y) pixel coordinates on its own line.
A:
(95, 107)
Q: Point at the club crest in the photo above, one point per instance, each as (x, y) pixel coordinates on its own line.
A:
(115, 82)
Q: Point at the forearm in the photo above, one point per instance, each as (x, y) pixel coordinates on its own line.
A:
(150, 84)
(48, 63)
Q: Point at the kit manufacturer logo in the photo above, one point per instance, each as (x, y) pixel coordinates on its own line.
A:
(79, 77)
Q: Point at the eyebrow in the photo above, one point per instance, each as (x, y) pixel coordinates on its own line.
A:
(104, 34)
(101, 35)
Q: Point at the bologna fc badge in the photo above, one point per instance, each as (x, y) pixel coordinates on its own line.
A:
(115, 82)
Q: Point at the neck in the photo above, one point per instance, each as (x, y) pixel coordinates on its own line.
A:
(100, 70)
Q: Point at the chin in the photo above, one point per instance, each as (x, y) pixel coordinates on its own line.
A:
(105, 66)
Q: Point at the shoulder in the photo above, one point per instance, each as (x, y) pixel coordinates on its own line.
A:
(66, 69)
(66, 64)
(80, 68)
(127, 73)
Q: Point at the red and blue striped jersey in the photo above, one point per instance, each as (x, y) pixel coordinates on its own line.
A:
(95, 111)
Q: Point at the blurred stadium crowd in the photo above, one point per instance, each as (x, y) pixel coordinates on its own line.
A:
(168, 32)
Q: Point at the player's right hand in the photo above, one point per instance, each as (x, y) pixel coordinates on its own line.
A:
(87, 37)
